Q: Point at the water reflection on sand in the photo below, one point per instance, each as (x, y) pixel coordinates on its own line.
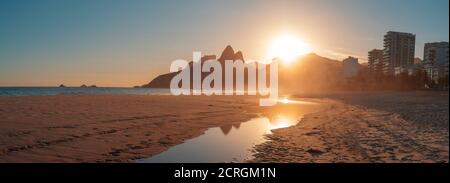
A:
(234, 142)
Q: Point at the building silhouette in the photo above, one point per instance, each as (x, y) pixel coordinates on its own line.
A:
(350, 67)
(375, 59)
(398, 52)
(435, 60)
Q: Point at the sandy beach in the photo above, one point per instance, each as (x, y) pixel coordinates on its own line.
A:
(348, 127)
(387, 127)
(107, 128)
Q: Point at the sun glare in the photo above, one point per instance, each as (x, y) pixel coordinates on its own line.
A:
(287, 48)
(282, 122)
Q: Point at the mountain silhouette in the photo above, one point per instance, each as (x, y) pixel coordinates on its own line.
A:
(229, 54)
(309, 73)
(163, 81)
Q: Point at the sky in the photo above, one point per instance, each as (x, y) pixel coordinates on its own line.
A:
(127, 43)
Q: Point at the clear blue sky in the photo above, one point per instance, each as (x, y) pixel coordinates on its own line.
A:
(126, 43)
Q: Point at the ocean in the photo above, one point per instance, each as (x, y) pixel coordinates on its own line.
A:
(39, 91)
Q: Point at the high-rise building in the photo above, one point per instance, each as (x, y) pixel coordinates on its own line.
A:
(436, 59)
(350, 67)
(398, 52)
(375, 61)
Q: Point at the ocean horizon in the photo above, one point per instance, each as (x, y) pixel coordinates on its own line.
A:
(43, 91)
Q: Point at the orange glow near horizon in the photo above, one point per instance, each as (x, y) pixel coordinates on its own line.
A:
(288, 47)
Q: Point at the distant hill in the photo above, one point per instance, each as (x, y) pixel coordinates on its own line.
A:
(309, 73)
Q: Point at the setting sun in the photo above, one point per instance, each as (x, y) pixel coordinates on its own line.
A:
(287, 48)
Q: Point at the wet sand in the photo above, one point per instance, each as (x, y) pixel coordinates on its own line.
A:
(366, 127)
(108, 128)
(348, 127)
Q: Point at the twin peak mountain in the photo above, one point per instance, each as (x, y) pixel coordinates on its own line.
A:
(310, 72)
(163, 81)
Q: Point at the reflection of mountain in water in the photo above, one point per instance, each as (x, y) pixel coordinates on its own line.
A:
(236, 126)
(226, 129)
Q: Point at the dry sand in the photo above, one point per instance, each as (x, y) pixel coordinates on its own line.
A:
(349, 127)
(366, 127)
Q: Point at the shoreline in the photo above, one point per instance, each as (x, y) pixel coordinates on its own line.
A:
(349, 127)
(366, 131)
(107, 128)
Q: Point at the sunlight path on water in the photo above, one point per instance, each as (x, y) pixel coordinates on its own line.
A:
(234, 143)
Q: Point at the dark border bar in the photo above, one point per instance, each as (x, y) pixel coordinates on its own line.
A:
(231, 172)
